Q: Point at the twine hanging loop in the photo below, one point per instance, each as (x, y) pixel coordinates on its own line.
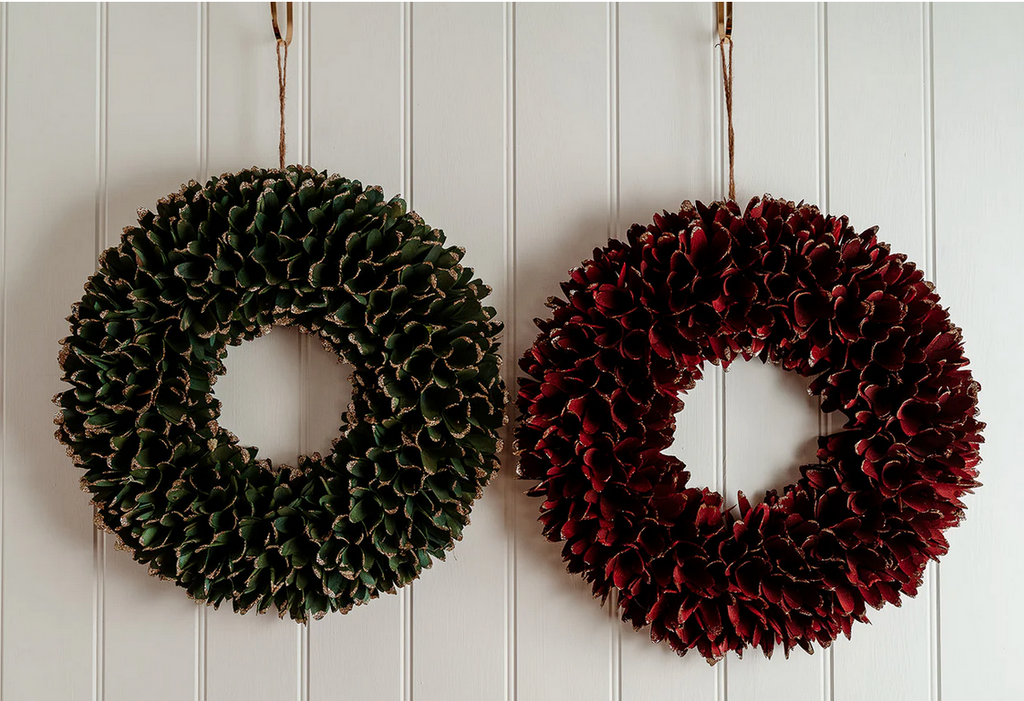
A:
(724, 38)
(282, 69)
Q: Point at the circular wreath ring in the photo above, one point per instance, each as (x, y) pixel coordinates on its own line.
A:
(791, 286)
(222, 263)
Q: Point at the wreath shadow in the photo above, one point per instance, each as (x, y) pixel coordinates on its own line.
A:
(48, 478)
(49, 282)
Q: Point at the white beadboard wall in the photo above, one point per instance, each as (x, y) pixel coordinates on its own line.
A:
(530, 133)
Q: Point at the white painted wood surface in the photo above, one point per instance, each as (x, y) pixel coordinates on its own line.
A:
(879, 116)
(530, 134)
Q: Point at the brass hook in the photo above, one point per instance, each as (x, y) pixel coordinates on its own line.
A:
(724, 21)
(288, 31)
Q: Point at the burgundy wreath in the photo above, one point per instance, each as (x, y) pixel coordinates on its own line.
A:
(791, 286)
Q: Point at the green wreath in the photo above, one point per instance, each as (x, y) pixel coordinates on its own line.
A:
(222, 263)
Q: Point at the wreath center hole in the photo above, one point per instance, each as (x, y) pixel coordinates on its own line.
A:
(771, 428)
(285, 394)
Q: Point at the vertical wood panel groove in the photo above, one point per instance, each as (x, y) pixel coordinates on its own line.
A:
(719, 145)
(100, 233)
(717, 155)
(715, 375)
(305, 64)
(200, 653)
(4, 58)
(823, 122)
(613, 120)
(615, 628)
(202, 90)
(406, 101)
(931, 261)
(202, 168)
(828, 684)
(306, 346)
(406, 593)
(928, 81)
(511, 349)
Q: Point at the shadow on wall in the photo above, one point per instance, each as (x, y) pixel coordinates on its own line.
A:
(47, 475)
